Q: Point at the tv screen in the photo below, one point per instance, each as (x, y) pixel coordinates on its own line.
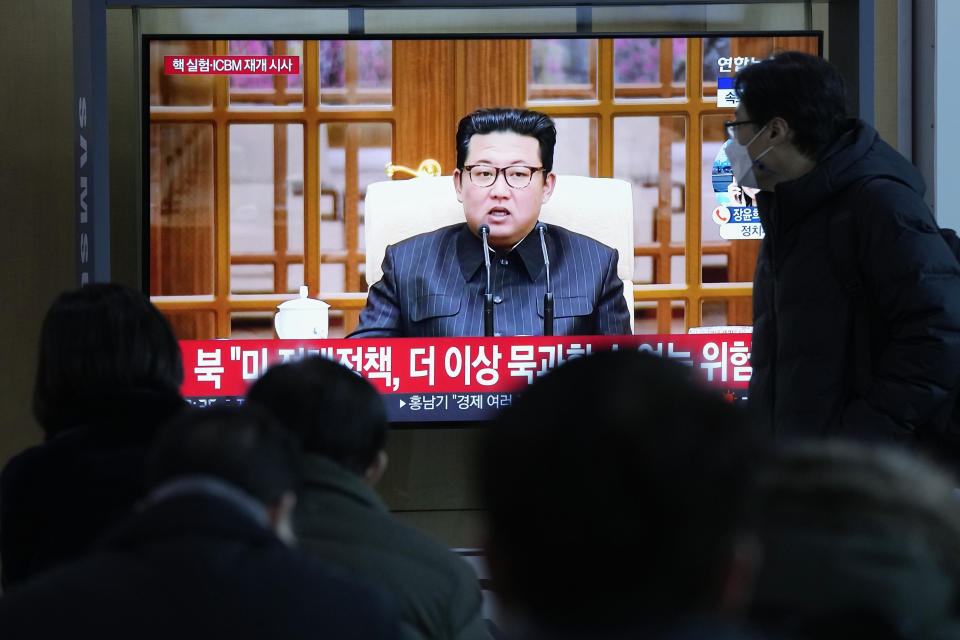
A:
(259, 153)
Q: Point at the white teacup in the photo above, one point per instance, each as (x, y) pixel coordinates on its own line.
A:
(302, 318)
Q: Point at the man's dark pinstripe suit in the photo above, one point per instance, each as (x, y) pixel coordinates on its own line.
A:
(433, 285)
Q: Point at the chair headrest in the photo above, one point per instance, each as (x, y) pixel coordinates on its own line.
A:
(394, 210)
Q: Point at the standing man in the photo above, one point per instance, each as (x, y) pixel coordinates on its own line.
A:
(833, 193)
(434, 284)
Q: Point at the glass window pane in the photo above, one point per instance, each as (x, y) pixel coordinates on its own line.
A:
(347, 149)
(661, 317)
(714, 50)
(645, 317)
(713, 313)
(332, 277)
(294, 191)
(356, 72)
(266, 200)
(179, 90)
(714, 268)
(266, 89)
(295, 277)
(679, 60)
(735, 311)
(649, 68)
(252, 278)
(252, 325)
(337, 327)
(181, 209)
(643, 270)
(649, 152)
(676, 269)
(295, 82)
(562, 69)
(576, 149)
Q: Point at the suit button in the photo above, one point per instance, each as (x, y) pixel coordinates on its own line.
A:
(497, 299)
(504, 261)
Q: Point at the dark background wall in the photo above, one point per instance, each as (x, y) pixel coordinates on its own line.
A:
(36, 194)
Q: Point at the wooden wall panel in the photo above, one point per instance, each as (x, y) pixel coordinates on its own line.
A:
(494, 74)
(787, 43)
(425, 101)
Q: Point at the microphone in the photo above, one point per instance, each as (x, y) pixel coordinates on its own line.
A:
(548, 296)
(487, 297)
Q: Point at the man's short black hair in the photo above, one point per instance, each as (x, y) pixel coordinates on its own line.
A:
(522, 121)
(243, 446)
(101, 338)
(803, 89)
(613, 489)
(334, 411)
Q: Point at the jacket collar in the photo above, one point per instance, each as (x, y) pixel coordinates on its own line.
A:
(528, 250)
(324, 474)
(194, 514)
(857, 154)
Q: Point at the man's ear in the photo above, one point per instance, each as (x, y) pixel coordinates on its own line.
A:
(458, 183)
(780, 131)
(375, 471)
(280, 515)
(548, 183)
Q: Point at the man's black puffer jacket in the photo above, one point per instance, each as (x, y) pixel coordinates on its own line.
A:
(802, 354)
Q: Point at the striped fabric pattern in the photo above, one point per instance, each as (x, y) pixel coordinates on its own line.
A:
(433, 286)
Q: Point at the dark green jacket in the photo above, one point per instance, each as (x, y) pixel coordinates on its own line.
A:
(343, 521)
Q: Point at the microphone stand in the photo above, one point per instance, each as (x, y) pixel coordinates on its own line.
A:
(548, 296)
(487, 297)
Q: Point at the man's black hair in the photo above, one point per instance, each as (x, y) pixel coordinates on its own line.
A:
(614, 489)
(101, 338)
(333, 411)
(805, 90)
(243, 446)
(521, 121)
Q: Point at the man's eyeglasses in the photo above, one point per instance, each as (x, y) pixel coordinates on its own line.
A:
(731, 126)
(517, 176)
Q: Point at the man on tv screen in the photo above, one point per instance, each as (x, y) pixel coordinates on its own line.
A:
(488, 275)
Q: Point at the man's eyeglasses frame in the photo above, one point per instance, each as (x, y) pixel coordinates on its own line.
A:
(730, 126)
(468, 169)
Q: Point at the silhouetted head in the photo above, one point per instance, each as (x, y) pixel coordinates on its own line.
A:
(805, 90)
(101, 338)
(614, 488)
(857, 537)
(242, 446)
(334, 412)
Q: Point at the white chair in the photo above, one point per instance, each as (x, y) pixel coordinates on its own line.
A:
(601, 208)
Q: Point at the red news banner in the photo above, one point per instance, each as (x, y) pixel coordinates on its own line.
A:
(233, 65)
(449, 379)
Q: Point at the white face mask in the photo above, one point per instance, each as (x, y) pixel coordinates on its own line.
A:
(742, 164)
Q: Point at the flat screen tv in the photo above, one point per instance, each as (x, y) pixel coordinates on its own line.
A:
(258, 152)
